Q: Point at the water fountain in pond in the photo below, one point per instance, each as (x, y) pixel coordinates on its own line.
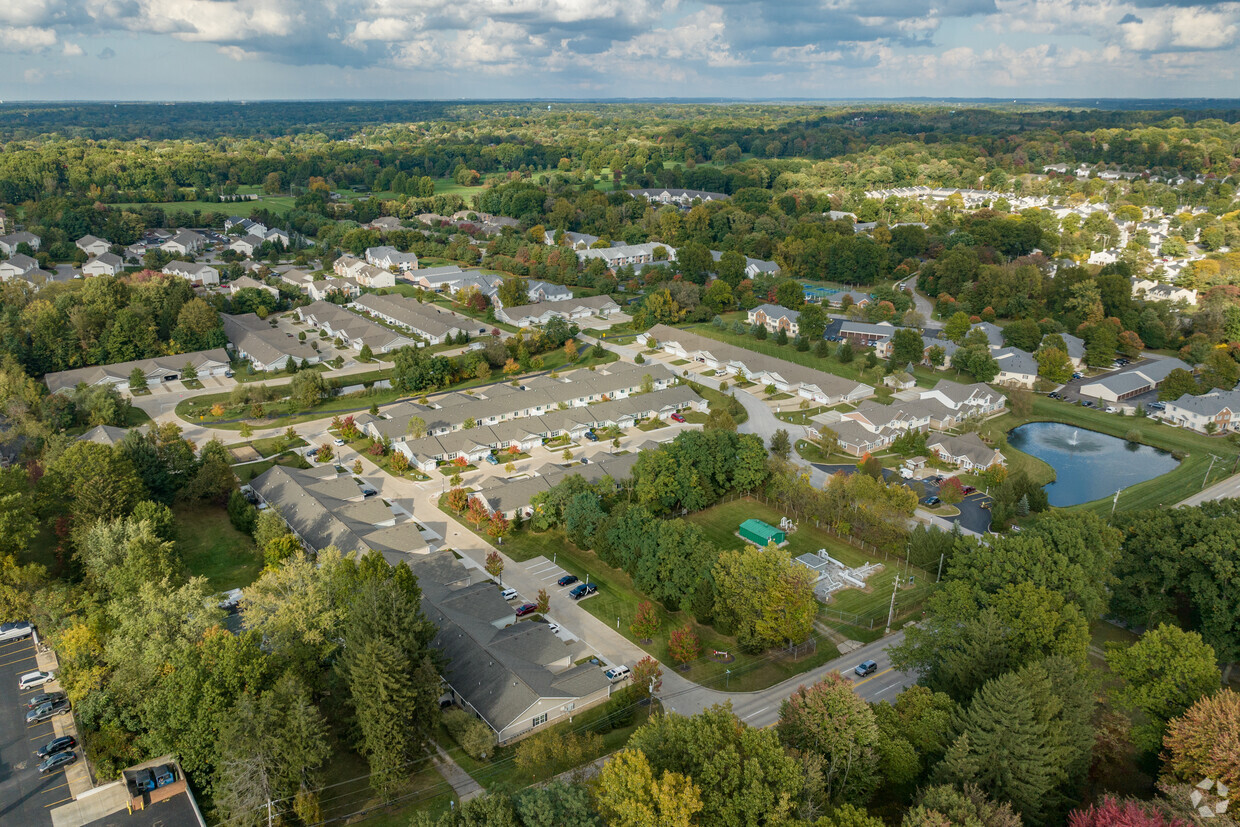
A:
(1073, 441)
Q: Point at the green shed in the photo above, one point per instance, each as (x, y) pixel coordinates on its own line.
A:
(761, 534)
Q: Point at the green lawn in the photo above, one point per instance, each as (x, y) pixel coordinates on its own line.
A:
(250, 470)
(721, 521)
(272, 445)
(213, 549)
(1195, 449)
(855, 370)
(347, 791)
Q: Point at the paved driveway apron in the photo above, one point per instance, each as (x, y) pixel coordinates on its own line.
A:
(25, 796)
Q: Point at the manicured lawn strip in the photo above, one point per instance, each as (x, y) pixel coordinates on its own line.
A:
(250, 470)
(275, 445)
(213, 549)
(718, 399)
(854, 370)
(1168, 489)
(617, 598)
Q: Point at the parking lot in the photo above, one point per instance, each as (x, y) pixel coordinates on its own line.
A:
(26, 798)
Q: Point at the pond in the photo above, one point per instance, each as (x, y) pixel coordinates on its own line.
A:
(1088, 465)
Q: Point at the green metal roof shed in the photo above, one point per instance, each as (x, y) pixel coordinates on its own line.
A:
(759, 533)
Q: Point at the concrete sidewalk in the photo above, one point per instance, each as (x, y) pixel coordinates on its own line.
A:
(463, 784)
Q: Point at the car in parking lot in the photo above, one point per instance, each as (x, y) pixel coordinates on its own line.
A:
(567, 580)
(1053, 395)
(509, 594)
(617, 673)
(931, 501)
(43, 698)
(32, 679)
(57, 760)
(968, 489)
(339, 441)
(1078, 375)
(582, 590)
(526, 609)
(677, 417)
(15, 630)
(1112, 409)
(868, 667)
(47, 711)
(56, 745)
(1087, 403)
(1156, 406)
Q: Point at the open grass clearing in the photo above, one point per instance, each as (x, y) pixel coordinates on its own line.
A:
(250, 470)
(213, 549)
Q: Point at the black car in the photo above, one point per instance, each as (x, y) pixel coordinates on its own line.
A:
(56, 745)
(56, 761)
(582, 590)
(43, 698)
(567, 580)
(590, 435)
(931, 501)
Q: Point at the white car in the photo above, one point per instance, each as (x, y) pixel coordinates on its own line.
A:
(340, 442)
(509, 594)
(15, 631)
(617, 673)
(1112, 409)
(32, 679)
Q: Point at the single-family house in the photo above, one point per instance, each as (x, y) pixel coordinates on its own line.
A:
(248, 283)
(104, 264)
(9, 243)
(197, 272)
(246, 245)
(92, 245)
(184, 243)
(18, 266)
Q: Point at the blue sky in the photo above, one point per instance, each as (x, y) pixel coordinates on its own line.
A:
(256, 49)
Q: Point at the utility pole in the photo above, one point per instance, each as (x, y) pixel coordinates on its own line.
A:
(1208, 470)
(1115, 501)
(891, 613)
(940, 574)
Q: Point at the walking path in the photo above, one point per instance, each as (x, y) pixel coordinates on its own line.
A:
(463, 784)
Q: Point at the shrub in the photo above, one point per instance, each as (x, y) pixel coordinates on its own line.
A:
(473, 736)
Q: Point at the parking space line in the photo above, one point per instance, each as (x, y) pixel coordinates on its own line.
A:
(4, 646)
(19, 660)
(61, 801)
(57, 787)
(41, 737)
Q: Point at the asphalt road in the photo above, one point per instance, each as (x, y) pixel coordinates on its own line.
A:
(26, 797)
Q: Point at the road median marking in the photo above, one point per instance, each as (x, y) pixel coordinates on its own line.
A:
(875, 675)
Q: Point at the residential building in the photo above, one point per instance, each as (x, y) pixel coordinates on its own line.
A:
(354, 330)
(754, 267)
(157, 369)
(203, 274)
(389, 257)
(104, 264)
(104, 435)
(967, 451)
(320, 289)
(1017, 368)
(384, 224)
(857, 298)
(18, 266)
(427, 321)
(184, 243)
(1132, 381)
(729, 360)
(961, 402)
(776, 318)
(528, 315)
(1218, 408)
(266, 347)
(435, 278)
(368, 275)
(247, 283)
(630, 254)
(678, 197)
(93, 246)
(866, 335)
(246, 245)
(10, 243)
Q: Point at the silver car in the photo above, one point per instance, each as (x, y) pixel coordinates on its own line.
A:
(15, 631)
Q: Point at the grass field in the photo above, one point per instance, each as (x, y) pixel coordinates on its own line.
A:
(855, 370)
(247, 472)
(213, 549)
(1190, 477)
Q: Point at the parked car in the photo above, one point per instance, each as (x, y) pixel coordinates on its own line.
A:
(339, 441)
(47, 711)
(583, 590)
(509, 594)
(1112, 409)
(16, 630)
(567, 580)
(869, 667)
(585, 460)
(930, 501)
(32, 679)
(492, 459)
(1078, 376)
(617, 673)
(369, 492)
(56, 761)
(590, 435)
(43, 698)
(968, 489)
(526, 609)
(677, 417)
(1157, 406)
(56, 745)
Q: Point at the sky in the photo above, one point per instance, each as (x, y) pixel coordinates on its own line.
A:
(445, 49)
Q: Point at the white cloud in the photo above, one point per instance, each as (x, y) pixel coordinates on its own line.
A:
(26, 39)
(73, 50)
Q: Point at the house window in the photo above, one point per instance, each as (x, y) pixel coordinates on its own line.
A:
(539, 720)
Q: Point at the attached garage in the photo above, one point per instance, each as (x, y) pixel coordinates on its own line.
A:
(761, 534)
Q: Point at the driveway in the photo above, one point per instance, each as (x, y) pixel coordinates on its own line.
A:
(25, 796)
